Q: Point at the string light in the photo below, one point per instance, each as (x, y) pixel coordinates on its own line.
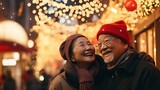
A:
(61, 10)
(146, 7)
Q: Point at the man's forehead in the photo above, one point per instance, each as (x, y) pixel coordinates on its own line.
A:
(105, 36)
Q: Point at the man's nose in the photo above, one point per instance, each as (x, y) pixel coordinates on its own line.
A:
(104, 46)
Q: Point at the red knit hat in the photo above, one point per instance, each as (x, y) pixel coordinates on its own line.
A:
(118, 29)
(66, 47)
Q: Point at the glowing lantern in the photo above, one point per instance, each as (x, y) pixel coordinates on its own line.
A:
(12, 36)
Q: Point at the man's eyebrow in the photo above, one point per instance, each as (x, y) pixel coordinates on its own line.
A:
(107, 36)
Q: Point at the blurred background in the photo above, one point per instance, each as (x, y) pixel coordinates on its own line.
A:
(32, 30)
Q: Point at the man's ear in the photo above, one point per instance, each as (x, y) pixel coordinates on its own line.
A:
(125, 46)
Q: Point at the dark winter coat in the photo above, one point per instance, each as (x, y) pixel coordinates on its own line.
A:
(134, 74)
(9, 84)
(68, 80)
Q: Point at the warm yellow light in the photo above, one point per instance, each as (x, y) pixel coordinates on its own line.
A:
(9, 62)
(60, 9)
(30, 43)
(16, 56)
(51, 33)
(29, 4)
(34, 11)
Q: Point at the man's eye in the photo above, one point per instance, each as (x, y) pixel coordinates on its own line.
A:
(106, 42)
(99, 44)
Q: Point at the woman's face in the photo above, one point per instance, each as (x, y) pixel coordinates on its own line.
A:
(83, 50)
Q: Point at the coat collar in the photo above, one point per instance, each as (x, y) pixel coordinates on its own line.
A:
(129, 63)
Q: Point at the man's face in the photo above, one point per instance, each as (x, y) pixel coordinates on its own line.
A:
(111, 48)
(83, 50)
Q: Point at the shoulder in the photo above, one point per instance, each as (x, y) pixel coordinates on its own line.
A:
(147, 66)
(148, 70)
(146, 57)
(141, 62)
(56, 83)
(141, 67)
(149, 74)
(60, 82)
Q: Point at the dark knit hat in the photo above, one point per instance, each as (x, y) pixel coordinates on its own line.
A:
(118, 29)
(66, 46)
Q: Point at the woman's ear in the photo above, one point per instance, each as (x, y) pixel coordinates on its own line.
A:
(72, 59)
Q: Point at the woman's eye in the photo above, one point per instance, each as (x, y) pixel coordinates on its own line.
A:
(89, 43)
(81, 44)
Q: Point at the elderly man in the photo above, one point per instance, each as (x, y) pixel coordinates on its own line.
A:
(125, 71)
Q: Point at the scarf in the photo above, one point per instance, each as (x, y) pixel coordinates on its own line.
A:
(80, 78)
(122, 59)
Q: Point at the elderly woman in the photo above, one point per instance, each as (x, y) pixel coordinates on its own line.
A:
(82, 70)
